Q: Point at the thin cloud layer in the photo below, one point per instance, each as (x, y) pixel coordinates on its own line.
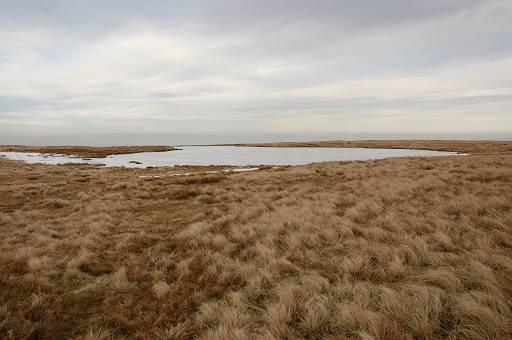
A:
(256, 67)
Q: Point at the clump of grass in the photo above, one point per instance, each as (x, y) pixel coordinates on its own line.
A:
(160, 288)
(119, 279)
(201, 179)
(36, 264)
(184, 193)
(57, 203)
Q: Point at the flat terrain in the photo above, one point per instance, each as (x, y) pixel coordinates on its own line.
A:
(85, 151)
(474, 147)
(410, 248)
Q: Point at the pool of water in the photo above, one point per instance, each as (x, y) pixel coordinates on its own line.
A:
(229, 155)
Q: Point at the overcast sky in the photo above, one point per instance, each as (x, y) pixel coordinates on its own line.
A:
(267, 67)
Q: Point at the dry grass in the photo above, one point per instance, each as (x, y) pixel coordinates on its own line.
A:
(412, 248)
(85, 151)
(473, 147)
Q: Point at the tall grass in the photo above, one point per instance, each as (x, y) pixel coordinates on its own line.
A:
(390, 249)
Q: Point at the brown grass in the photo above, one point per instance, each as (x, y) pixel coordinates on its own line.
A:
(473, 147)
(411, 248)
(85, 151)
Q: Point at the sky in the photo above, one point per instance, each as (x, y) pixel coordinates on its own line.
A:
(121, 71)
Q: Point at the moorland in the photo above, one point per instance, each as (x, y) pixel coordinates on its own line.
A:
(405, 248)
(85, 151)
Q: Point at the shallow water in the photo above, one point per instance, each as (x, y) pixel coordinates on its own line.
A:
(229, 155)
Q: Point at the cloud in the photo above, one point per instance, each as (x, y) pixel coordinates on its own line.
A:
(235, 66)
(13, 103)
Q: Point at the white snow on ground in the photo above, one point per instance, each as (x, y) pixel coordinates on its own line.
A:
(199, 173)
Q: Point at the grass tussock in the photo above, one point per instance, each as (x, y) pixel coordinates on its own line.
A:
(412, 248)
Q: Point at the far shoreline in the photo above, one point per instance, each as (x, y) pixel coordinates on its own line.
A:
(86, 151)
(459, 146)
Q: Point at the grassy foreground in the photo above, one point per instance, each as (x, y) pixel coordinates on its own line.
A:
(411, 248)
